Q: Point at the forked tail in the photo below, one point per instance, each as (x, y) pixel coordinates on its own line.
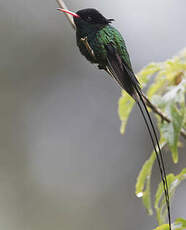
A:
(122, 72)
(155, 142)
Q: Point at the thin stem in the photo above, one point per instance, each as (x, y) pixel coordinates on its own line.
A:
(69, 17)
(147, 102)
(162, 115)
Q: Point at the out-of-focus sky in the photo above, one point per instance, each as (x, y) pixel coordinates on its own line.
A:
(63, 162)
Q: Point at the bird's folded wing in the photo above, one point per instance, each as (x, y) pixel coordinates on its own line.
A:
(120, 70)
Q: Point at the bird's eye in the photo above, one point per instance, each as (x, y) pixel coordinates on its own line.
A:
(89, 18)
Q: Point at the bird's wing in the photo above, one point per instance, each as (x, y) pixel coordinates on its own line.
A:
(121, 71)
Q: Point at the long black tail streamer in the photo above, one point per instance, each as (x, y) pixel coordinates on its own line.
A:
(159, 155)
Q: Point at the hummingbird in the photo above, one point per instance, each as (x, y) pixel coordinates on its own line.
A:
(102, 44)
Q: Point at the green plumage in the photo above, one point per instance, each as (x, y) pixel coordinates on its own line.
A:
(97, 40)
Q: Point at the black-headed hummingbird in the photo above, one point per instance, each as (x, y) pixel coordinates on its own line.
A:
(103, 45)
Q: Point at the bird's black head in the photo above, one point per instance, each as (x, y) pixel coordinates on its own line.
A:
(91, 16)
(88, 20)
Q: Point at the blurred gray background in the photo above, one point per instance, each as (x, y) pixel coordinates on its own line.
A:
(63, 162)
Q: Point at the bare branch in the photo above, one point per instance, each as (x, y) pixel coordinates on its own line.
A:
(69, 17)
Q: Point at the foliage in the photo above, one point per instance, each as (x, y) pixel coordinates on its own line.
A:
(167, 93)
(173, 181)
(179, 224)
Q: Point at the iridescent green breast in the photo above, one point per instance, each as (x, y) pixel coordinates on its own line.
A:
(97, 42)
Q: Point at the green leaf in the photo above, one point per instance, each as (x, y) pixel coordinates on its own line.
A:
(146, 72)
(171, 131)
(162, 227)
(179, 224)
(143, 182)
(160, 204)
(160, 81)
(125, 103)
